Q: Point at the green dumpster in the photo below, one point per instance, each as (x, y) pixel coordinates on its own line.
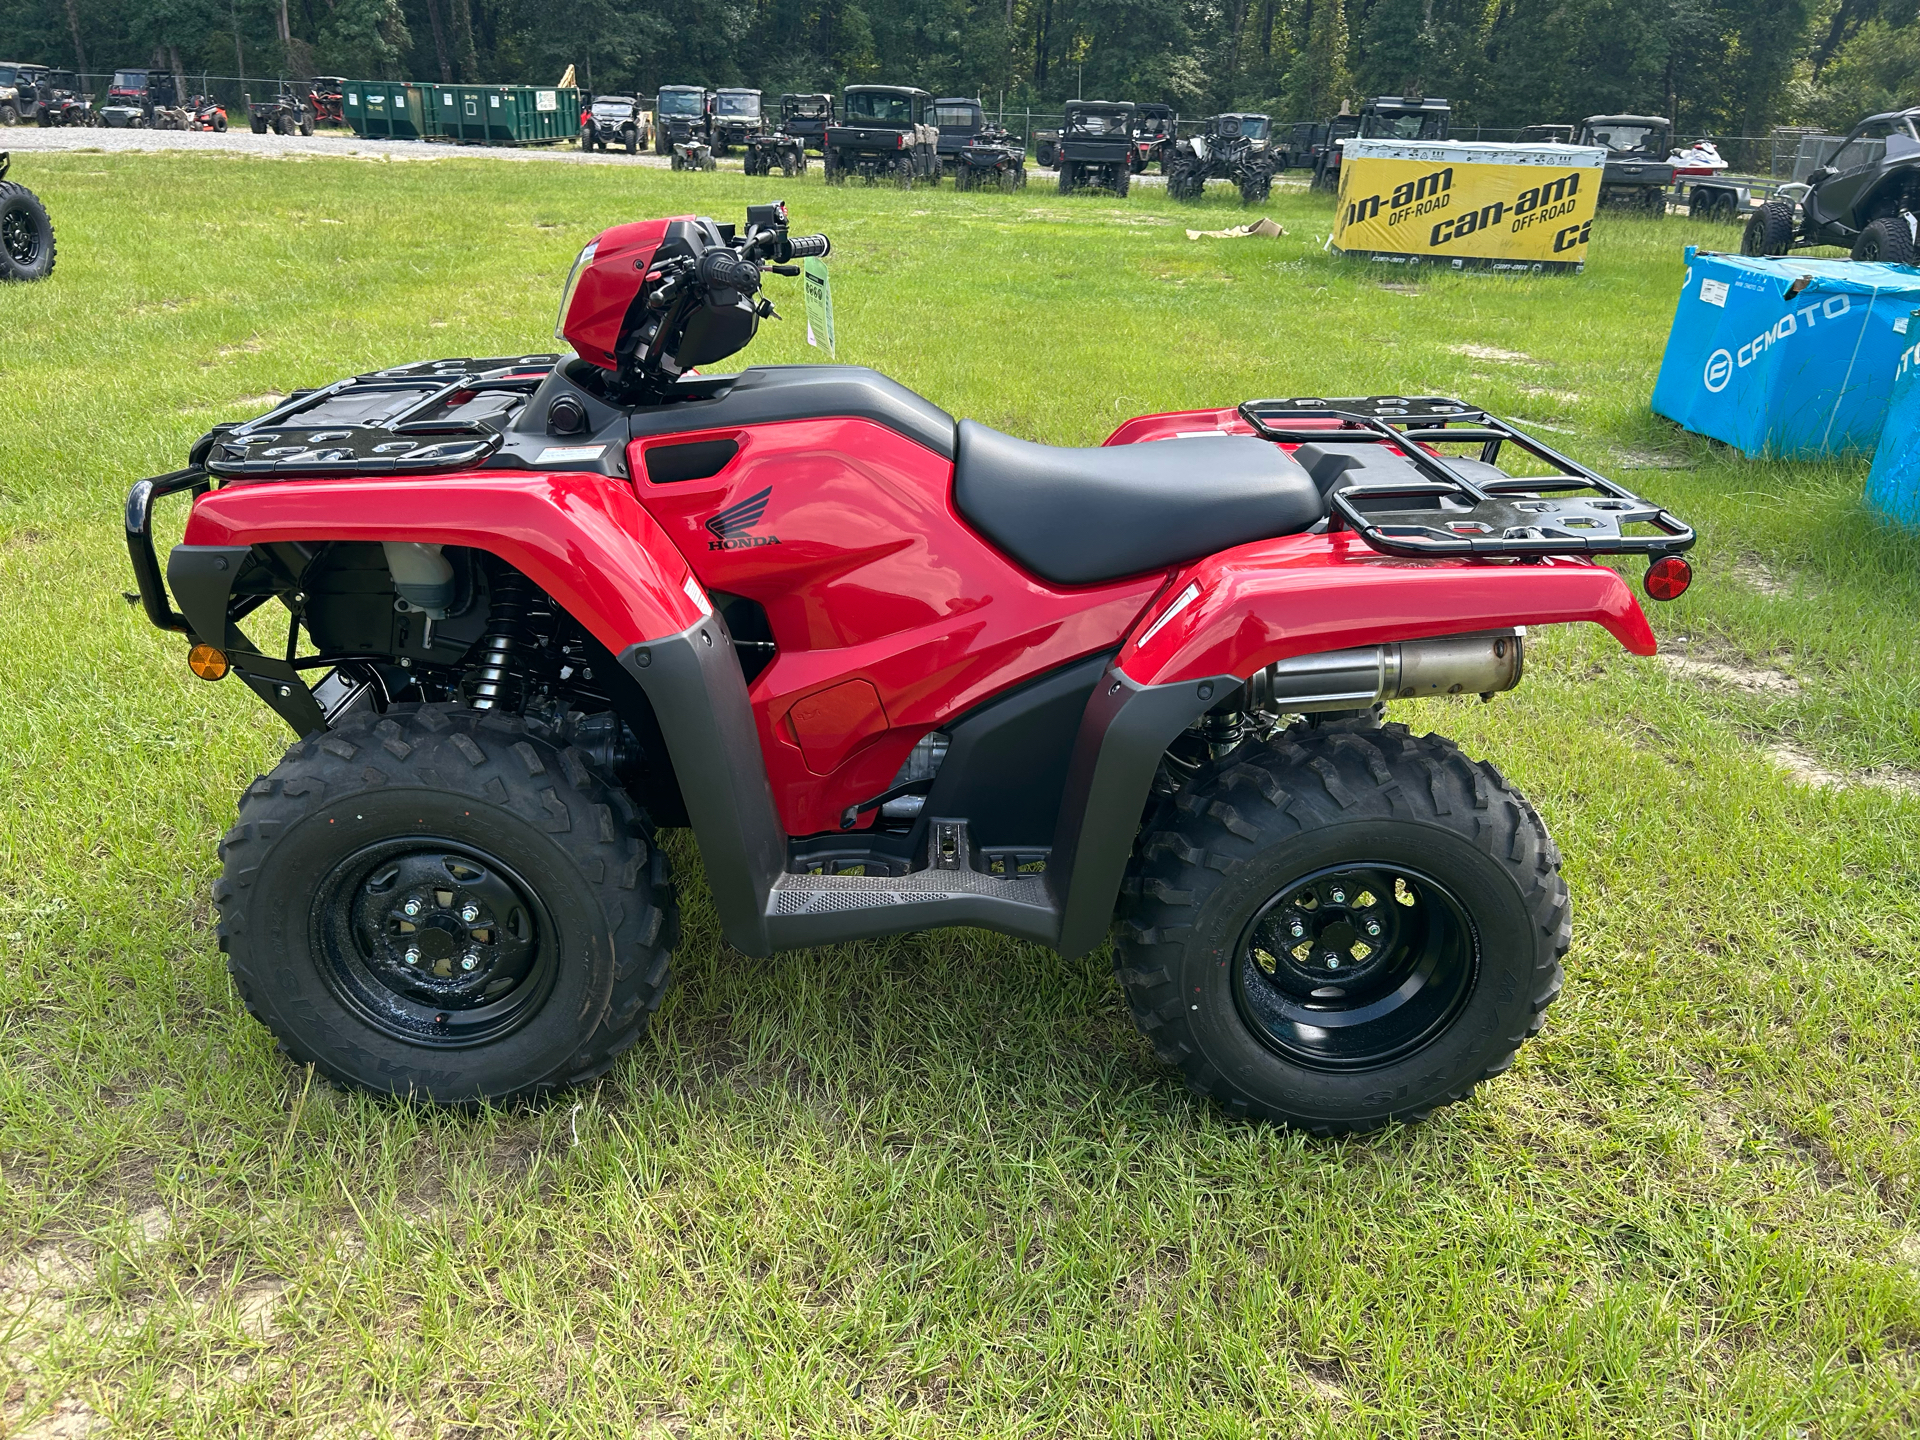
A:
(503, 114)
(385, 109)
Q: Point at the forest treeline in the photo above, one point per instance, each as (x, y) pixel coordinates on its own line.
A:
(1726, 67)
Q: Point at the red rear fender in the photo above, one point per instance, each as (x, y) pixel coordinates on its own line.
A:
(1306, 594)
(583, 539)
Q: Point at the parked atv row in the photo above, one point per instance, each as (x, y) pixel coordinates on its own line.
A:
(26, 234)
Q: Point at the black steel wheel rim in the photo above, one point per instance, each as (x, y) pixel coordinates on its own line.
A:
(1355, 967)
(20, 235)
(434, 942)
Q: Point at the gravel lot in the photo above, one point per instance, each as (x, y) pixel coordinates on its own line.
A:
(23, 138)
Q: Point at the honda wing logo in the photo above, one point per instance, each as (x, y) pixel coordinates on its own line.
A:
(730, 526)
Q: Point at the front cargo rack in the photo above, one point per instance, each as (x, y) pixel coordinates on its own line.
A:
(1511, 515)
(412, 419)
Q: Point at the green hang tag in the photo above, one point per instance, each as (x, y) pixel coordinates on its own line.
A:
(819, 303)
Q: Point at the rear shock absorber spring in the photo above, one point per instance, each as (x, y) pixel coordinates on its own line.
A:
(497, 679)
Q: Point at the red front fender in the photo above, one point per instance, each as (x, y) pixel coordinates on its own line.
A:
(1310, 593)
(581, 538)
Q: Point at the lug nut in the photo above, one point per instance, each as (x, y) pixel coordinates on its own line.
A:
(469, 962)
(1297, 930)
(1373, 928)
(1333, 960)
(412, 907)
(1339, 897)
(469, 912)
(413, 957)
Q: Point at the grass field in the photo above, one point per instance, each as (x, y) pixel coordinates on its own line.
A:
(938, 1186)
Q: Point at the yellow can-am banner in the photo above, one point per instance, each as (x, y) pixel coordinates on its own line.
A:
(1468, 206)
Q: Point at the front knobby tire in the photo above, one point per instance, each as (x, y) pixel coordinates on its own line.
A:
(1253, 896)
(1770, 230)
(439, 903)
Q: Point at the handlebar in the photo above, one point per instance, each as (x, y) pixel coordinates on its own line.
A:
(802, 247)
(725, 270)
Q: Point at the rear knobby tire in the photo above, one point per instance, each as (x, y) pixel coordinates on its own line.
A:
(1770, 230)
(1300, 812)
(27, 250)
(573, 908)
(1888, 240)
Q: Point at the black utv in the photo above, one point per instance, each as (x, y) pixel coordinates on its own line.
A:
(806, 118)
(735, 118)
(1096, 145)
(884, 134)
(958, 120)
(1866, 198)
(1638, 172)
(680, 115)
(614, 120)
(1228, 147)
(1384, 117)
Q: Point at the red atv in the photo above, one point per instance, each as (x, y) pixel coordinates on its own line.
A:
(896, 674)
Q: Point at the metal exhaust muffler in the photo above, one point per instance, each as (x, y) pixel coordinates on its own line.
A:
(1482, 664)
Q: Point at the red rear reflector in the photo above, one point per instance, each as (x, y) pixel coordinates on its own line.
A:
(1668, 578)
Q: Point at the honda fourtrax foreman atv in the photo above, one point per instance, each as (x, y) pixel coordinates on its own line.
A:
(896, 673)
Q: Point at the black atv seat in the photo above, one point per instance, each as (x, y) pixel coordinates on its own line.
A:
(1079, 516)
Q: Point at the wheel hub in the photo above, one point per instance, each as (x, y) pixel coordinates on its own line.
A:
(434, 942)
(20, 238)
(445, 929)
(1350, 968)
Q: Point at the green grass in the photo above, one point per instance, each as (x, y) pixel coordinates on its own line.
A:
(938, 1186)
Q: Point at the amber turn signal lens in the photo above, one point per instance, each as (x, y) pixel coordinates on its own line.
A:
(1668, 578)
(207, 662)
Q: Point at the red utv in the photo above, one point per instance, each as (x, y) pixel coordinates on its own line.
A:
(896, 673)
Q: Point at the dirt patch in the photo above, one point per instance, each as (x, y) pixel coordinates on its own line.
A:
(265, 402)
(68, 1420)
(1805, 769)
(1494, 352)
(28, 538)
(1394, 287)
(1750, 678)
(1754, 573)
(1565, 397)
(1650, 460)
(1543, 425)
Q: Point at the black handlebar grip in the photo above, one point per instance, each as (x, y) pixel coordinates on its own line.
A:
(799, 247)
(725, 269)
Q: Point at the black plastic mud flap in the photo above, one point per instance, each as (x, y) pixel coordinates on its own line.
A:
(699, 695)
(1126, 729)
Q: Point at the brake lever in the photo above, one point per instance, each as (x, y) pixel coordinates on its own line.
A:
(783, 269)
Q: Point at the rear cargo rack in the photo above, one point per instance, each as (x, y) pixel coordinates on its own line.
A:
(1518, 516)
(434, 416)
